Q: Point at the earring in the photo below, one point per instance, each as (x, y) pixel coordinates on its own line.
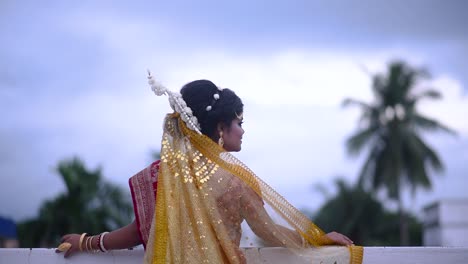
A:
(221, 140)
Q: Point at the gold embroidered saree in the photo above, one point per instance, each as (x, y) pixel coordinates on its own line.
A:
(204, 194)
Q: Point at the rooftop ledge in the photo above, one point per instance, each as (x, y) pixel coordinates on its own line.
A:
(381, 255)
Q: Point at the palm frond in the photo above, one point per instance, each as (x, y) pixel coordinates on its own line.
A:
(429, 93)
(319, 187)
(417, 155)
(341, 185)
(387, 172)
(429, 124)
(429, 154)
(414, 163)
(367, 172)
(356, 142)
(378, 84)
(351, 101)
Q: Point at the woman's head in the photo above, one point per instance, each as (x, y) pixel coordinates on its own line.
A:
(225, 114)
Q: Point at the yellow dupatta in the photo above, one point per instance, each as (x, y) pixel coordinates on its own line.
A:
(204, 193)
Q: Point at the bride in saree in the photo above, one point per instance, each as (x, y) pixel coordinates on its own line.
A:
(189, 205)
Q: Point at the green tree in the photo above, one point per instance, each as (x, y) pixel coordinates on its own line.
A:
(360, 216)
(89, 204)
(391, 129)
(155, 155)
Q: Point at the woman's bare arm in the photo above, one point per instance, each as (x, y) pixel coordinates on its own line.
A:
(261, 223)
(125, 237)
(122, 238)
(263, 226)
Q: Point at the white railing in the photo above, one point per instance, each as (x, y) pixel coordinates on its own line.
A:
(381, 255)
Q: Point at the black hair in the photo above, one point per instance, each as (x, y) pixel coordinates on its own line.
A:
(200, 93)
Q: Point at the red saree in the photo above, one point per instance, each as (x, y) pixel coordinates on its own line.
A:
(143, 187)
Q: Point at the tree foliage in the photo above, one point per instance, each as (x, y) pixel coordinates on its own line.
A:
(391, 130)
(359, 215)
(88, 204)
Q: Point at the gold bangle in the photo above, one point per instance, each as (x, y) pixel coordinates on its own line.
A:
(81, 241)
(86, 243)
(91, 244)
(101, 242)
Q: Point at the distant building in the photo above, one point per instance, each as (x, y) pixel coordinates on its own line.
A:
(8, 236)
(446, 223)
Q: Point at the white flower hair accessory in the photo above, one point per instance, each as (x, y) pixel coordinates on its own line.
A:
(177, 103)
(216, 98)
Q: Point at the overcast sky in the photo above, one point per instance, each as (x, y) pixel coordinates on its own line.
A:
(72, 82)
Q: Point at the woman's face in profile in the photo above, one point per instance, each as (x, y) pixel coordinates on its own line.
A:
(232, 135)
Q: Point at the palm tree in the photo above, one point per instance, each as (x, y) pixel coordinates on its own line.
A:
(391, 129)
(89, 204)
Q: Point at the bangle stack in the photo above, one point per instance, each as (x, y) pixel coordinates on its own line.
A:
(86, 243)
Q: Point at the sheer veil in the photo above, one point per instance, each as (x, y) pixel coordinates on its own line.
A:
(205, 193)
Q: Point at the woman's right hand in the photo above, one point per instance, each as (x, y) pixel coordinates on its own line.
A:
(339, 239)
(74, 240)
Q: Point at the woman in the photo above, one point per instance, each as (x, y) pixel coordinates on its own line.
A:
(189, 206)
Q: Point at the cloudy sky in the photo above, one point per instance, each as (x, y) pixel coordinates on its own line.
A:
(72, 82)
